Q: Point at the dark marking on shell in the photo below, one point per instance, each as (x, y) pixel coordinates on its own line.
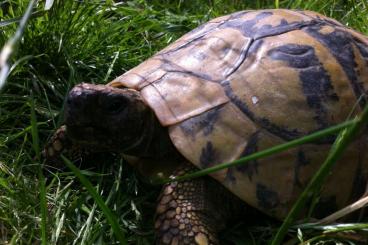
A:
(282, 133)
(340, 44)
(250, 167)
(230, 176)
(363, 49)
(316, 82)
(284, 22)
(325, 206)
(267, 199)
(297, 56)
(249, 28)
(204, 122)
(302, 161)
(324, 20)
(208, 155)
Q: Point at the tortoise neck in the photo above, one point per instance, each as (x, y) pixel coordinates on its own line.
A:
(154, 141)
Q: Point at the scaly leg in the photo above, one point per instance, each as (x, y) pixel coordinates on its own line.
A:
(193, 211)
(59, 144)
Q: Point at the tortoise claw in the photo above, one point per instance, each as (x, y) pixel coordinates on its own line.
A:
(56, 145)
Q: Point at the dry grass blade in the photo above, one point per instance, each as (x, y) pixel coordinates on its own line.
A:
(361, 203)
(10, 45)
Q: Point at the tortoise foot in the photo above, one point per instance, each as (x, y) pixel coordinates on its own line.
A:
(185, 214)
(56, 145)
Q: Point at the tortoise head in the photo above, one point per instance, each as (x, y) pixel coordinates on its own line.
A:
(103, 118)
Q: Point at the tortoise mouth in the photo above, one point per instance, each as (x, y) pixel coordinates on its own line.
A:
(99, 138)
(87, 135)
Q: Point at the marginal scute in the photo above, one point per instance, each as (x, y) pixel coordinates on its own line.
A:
(172, 108)
(140, 76)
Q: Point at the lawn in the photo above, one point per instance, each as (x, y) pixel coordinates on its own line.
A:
(96, 41)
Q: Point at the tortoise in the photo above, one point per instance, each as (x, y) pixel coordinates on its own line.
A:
(233, 86)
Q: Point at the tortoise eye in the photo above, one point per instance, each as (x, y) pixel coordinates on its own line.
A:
(115, 106)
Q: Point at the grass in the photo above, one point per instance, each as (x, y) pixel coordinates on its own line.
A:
(94, 41)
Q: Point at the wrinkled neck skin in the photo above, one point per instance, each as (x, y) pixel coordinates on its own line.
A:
(153, 143)
(154, 156)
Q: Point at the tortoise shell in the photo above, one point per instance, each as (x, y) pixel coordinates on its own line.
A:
(250, 80)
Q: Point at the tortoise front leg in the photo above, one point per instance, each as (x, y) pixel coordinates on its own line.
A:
(60, 143)
(193, 211)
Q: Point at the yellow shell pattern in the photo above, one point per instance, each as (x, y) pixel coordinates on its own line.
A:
(253, 79)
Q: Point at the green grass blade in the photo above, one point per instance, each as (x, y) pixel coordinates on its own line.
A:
(111, 67)
(331, 231)
(342, 141)
(344, 227)
(361, 203)
(108, 213)
(4, 184)
(34, 129)
(267, 152)
(43, 206)
(4, 23)
(36, 147)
